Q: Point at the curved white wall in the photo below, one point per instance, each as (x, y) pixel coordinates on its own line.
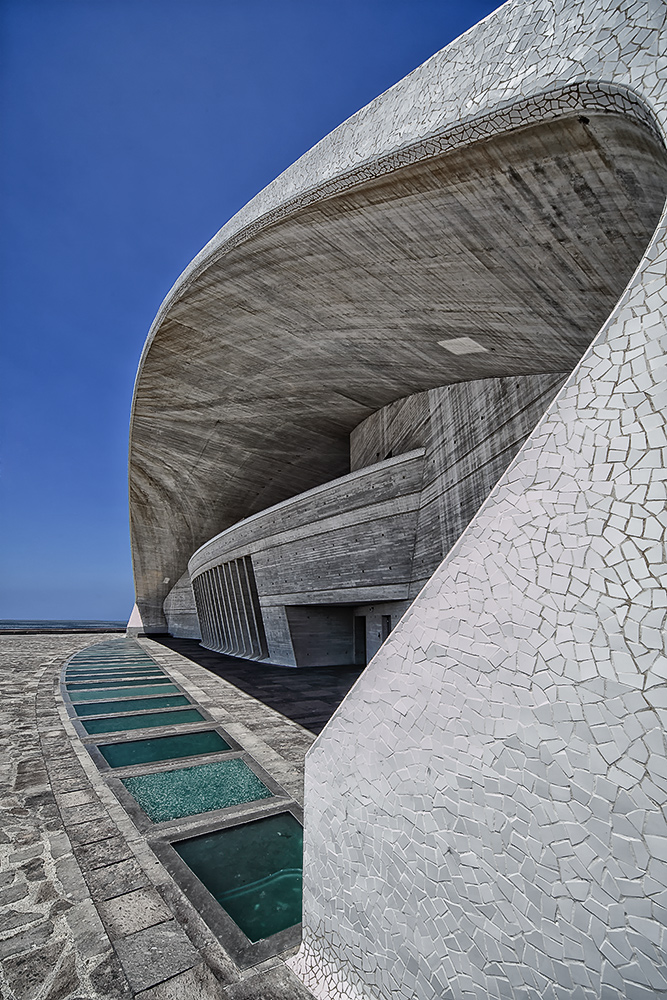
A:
(485, 813)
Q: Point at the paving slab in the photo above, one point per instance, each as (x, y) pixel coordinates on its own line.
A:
(133, 912)
(154, 954)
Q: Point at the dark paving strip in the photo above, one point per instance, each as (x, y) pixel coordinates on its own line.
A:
(307, 695)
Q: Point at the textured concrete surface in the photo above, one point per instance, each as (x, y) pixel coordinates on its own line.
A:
(373, 536)
(282, 339)
(87, 910)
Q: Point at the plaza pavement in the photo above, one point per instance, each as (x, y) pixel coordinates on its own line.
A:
(87, 912)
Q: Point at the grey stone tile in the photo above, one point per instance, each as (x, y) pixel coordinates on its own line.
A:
(116, 880)
(66, 982)
(107, 978)
(26, 940)
(87, 930)
(102, 853)
(19, 918)
(278, 983)
(26, 973)
(197, 983)
(89, 811)
(70, 877)
(124, 915)
(92, 831)
(78, 798)
(154, 954)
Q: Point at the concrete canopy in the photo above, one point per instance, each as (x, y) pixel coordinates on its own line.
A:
(286, 333)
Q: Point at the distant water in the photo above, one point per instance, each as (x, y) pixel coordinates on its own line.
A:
(15, 625)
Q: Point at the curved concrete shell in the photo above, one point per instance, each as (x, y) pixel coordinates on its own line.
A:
(287, 334)
(485, 813)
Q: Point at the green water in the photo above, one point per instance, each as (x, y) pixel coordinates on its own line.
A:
(197, 789)
(94, 726)
(108, 661)
(91, 661)
(138, 668)
(162, 748)
(95, 685)
(133, 705)
(135, 692)
(254, 872)
(115, 672)
(139, 675)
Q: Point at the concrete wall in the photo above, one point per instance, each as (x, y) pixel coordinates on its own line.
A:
(379, 533)
(470, 432)
(322, 636)
(348, 541)
(180, 612)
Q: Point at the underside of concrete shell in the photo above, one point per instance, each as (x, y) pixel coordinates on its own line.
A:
(485, 814)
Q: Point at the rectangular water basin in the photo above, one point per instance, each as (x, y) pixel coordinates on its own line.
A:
(107, 668)
(112, 661)
(94, 726)
(81, 675)
(163, 748)
(136, 692)
(131, 705)
(201, 788)
(254, 872)
(105, 671)
(117, 664)
(98, 685)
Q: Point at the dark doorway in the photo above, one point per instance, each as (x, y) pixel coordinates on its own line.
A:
(386, 626)
(360, 655)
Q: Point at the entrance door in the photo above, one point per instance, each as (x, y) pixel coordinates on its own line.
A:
(360, 640)
(386, 626)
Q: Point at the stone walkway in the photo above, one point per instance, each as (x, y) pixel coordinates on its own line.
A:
(87, 912)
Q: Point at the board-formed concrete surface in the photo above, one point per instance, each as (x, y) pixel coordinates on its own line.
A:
(306, 315)
(87, 911)
(322, 562)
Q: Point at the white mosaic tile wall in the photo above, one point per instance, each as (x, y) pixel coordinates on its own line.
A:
(486, 813)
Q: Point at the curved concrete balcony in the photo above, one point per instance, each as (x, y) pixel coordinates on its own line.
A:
(350, 541)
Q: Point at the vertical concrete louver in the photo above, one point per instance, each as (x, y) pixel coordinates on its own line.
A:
(229, 611)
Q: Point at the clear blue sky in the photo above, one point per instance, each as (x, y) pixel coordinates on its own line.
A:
(132, 130)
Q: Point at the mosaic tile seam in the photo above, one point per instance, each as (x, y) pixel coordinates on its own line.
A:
(488, 806)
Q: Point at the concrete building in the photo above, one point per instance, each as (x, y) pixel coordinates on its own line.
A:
(449, 313)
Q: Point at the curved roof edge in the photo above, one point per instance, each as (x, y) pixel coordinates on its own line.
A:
(454, 99)
(443, 94)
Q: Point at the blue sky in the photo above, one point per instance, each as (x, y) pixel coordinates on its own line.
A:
(132, 130)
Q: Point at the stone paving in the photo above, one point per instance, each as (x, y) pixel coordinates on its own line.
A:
(86, 910)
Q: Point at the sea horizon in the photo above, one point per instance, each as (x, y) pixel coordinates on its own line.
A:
(58, 624)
